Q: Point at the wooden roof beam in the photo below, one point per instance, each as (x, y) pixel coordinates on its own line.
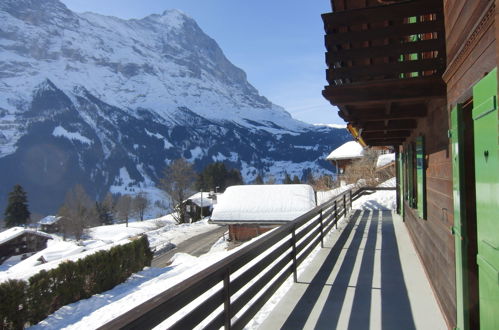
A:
(387, 135)
(379, 126)
(396, 90)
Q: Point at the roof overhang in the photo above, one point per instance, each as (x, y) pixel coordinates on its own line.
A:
(385, 63)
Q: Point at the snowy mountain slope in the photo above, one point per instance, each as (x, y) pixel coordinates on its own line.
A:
(106, 102)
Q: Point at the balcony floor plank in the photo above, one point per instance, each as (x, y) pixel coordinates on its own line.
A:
(368, 276)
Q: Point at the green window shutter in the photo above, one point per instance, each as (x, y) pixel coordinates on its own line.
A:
(410, 176)
(459, 228)
(421, 177)
(486, 147)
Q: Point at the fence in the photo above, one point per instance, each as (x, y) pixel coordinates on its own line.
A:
(230, 292)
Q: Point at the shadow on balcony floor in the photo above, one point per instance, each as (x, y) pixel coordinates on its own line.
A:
(368, 276)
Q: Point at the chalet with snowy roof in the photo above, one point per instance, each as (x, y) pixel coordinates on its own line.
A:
(18, 241)
(344, 155)
(250, 210)
(50, 224)
(200, 205)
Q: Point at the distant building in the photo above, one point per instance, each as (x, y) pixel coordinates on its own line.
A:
(343, 156)
(250, 210)
(18, 241)
(50, 224)
(200, 205)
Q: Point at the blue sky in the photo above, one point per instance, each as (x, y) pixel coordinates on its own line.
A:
(278, 43)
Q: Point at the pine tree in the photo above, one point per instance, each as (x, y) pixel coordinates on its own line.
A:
(16, 212)
(258, 179)
(287, 178)
(296, 180)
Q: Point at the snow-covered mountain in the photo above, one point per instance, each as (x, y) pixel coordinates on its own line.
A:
(106, 102)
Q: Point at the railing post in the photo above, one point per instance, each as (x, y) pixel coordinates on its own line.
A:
(345, 205)
(322, 229)
(227, 299)
(336, 213)
(295, 266)
(350, 199)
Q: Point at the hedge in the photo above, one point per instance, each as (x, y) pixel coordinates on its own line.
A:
(28, 302)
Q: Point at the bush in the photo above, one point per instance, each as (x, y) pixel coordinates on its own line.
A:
(47, 291)
(13, 305)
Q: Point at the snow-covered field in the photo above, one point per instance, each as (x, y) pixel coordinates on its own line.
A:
(160, 232)
(380, 200)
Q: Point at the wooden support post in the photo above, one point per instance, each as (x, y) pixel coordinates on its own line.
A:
(336, 213)
(295, 265)
(350, 199)
(322, 229)
(227, 299)
(345, 205)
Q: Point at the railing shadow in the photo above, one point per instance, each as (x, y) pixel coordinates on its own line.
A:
(395, 305)
(303, 308)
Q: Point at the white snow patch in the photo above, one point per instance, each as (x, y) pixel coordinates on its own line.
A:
(60, 131)
(332, 125)
(379, 200)
(351, 149)
(385, 159)
(283, 202)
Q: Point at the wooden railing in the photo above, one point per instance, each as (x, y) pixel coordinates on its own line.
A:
(230, 292)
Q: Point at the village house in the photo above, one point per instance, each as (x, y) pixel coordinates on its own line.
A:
(18, 241)
(250, 210)
(200, 205)
(343, 156)
(50, 224)
(421, 76)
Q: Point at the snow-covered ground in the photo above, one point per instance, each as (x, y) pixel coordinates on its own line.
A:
(161, 232)
(379, 200)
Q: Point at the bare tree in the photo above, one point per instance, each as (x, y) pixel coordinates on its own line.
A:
(363, 169)
(177, 182)
(124, 207)
(78, 212)
(140, 204)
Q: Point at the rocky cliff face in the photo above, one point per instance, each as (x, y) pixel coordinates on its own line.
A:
(107, 103)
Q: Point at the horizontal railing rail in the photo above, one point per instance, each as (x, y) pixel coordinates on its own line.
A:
(230, 292)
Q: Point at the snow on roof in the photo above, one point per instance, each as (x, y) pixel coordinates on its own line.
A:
(201, 199)
(351, 149)
(385, 159)
(13, 232)
(264, 203)
(49, 220)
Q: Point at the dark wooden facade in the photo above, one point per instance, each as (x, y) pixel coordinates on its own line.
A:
(28, 241)
(395, 71)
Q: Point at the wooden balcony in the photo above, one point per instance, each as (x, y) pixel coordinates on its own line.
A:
(384, 64)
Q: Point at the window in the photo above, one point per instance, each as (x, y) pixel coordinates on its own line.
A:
(420, 177)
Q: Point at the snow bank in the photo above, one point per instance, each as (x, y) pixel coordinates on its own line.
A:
(379, 200)
(351, 149)
(265, 203)
(385, 159)
(324, 196)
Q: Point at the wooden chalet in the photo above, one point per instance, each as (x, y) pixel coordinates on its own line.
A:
(420, 75)
(251, 210)
(200, 205)
(18, 241)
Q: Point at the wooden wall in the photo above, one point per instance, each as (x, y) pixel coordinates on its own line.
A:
(432, 237)
(471, 47)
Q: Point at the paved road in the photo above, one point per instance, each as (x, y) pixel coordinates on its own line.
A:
(195, 246)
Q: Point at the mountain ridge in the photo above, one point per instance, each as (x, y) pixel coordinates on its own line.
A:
(108, 103)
